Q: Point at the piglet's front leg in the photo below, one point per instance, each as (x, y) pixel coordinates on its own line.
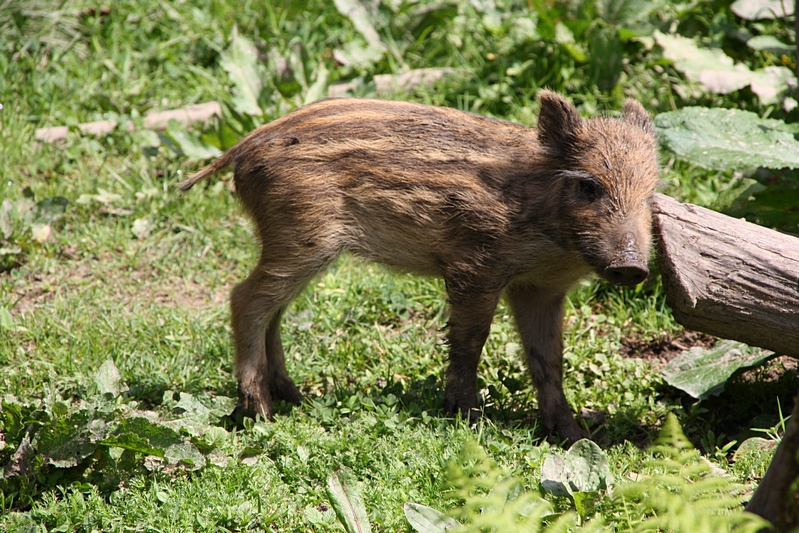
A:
(539, 318)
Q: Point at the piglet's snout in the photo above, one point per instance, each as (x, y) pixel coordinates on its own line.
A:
(630, 266)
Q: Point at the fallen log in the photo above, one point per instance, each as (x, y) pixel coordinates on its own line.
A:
(775, 498)
(728, 277)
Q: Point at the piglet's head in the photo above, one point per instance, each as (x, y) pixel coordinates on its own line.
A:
(606, 171)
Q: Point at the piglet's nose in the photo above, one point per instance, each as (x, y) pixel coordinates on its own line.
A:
(626, 273)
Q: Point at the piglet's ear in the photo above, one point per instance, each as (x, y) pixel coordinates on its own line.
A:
(558, 121)
(635, 114)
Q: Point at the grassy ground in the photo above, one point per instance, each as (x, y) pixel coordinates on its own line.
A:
(136, 272)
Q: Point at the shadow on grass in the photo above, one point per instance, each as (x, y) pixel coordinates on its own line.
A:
(752, 400)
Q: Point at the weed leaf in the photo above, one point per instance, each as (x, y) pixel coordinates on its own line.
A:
(6, 320)
(6, 224)
(762, 9)
(554, 478)
(427, 520)
(583, 469)
(357, 13)
(193, 148)
(716, 71)
(728, 139)
(348, 504)
(240, 61)
(49, 209)
(702, 372)
(69, 440)
(629, 14)
(588, 466)
(195, 415)
(769, 43)
(773, 207)
(108, 379)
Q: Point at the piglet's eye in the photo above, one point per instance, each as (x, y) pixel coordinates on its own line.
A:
(589, 190)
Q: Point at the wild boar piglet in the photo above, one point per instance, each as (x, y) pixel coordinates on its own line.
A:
(493, 207)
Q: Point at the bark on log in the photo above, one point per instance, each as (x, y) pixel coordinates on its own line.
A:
(774, 498)
(728, 277)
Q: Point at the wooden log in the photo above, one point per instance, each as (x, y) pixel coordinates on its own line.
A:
(776, 498)
(728, 277)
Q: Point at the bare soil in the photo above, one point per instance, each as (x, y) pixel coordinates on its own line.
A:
(142, 284)
(665, 347)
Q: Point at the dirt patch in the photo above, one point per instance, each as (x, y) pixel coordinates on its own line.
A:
(666, 347)
(772, 371)
(106, 278)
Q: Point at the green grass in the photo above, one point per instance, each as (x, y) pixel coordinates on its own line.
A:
(365, 345)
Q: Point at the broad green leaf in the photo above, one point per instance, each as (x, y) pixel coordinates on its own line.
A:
(68, 440)
(323, 520)
(6, 320)
(631, 14)
(754, 445)
(41, 232)
(102, 196)
(346, 499)
(155, 437)
(728, 139)
(716, 71)
(554, 476)
(769, 83)
(185, 454)
(108, 379)
(6, 223)
(141, 228)
(762, 9)
(703, 372)
(771, 207)
(133, 442)
(587, 466)
(241, 63)
(771, 44)
(428, 520)
(709, 66)
(585, 503)
(49, 210)
(579, 475)
(195, 415)
(358, 53)
(565, 37)
(318, 88)
(357, 13)
(193, 148)
(23, 456)
(492, 18)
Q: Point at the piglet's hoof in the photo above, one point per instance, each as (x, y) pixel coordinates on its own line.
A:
(470, 413)
(569, 431)
(254, 402)
(285, 389)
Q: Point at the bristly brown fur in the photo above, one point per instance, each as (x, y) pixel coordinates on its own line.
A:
(491, 206)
